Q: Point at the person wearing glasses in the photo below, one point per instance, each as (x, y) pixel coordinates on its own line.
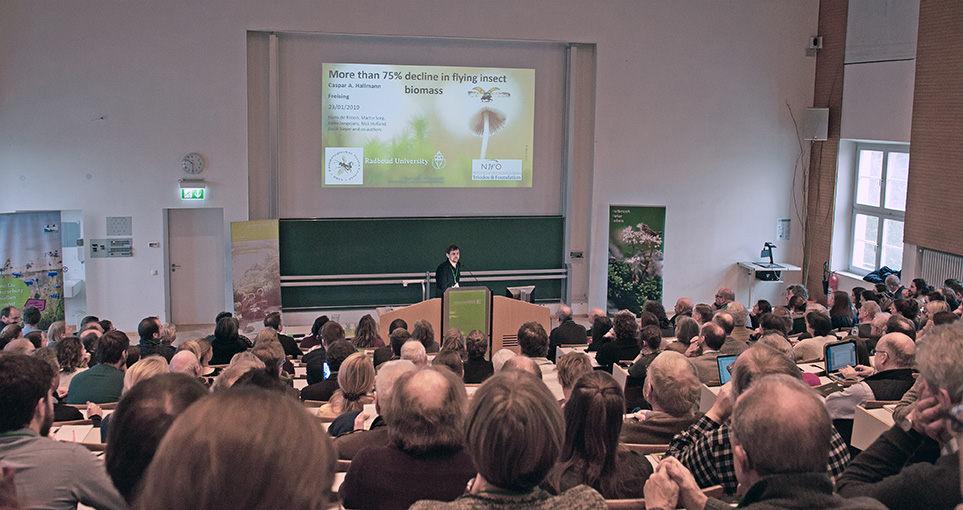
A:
(915, 464)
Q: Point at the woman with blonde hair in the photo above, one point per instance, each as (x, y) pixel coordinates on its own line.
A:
(145, 369)
(356, 379)
(196, 465)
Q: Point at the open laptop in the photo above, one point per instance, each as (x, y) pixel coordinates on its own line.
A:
(725, 367)
(838, 355)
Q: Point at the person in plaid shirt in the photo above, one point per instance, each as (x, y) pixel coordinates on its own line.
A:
(705, 448)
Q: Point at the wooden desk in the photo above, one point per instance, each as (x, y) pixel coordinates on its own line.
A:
(868, 424)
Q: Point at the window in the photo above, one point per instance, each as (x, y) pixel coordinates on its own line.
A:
(879, 203)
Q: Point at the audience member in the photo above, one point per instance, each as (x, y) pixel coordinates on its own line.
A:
(841, 312)
(56, 332)
(150, 344)
(103, 382)
(36, 338)
(655, 308)
(142, 370)
(672, 387)
(900, 324)
(501, 357)
(366, 336)
(392, 351)
(570, 367)
(762, 307)
(600, 328)
(740, 321)
(9, 315)
(198, 464)
(19, 346)
(477, 368)
(894, 289)
(686, 328)
(820, 327)
(626, 344)
(702, 313)
(350, 443)
(651, 339)
(425, 333)
(290, 347)
(31, 319)
(724, 296)
(705, 448)
(525, 364)
(323, 390)
(712, 339)
(234, 371)
(533, 342)
(425, 457)
(356, 379)
(9, 333)
(764, 421)
(725, 319)
(314, 339)
(139, 423)
(454, 341)
(47, 473)
(450, 360)
(226, 342)
(168, 335)
(683, 308)
(591, 454)
(185, 362)
(414, 351)
(514, 433)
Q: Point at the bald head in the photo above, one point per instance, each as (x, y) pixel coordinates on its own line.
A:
(388, 374)
(596, 313)
(713, 335)
(892, 282)
(523, 363)
(185, 362)
(900, 352)
(683, 305)
(766, 419)
(427, 411)
(19, 346)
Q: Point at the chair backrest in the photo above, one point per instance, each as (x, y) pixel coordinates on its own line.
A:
(876, 404)
(646, 449)
(313, 403)
(343, 466)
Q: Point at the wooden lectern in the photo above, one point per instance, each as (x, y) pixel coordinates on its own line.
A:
(507, 316)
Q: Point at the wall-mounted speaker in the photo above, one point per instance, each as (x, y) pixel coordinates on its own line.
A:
(816, 124)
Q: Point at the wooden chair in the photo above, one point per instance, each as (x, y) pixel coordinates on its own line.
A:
(877, 404)
(343, 466)
(108, 406)
(646, 449)
(72, 422)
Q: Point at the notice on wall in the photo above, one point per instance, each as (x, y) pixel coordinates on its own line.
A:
(427, 126)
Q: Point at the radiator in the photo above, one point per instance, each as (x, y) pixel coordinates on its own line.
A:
(937, 266)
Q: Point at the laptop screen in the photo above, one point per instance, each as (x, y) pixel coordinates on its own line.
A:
(840, 355)
(724, 362)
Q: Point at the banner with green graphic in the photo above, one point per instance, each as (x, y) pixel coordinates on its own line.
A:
(636, 241)
(427, 126)
(31, 264)
(256, 268)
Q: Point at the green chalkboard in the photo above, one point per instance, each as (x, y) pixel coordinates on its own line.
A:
(311, 247)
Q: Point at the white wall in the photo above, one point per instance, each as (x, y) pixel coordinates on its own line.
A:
(690, 113)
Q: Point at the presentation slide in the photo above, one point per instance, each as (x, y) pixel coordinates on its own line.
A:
(427, 126)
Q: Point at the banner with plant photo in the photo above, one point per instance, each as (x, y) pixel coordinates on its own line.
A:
(636, 240)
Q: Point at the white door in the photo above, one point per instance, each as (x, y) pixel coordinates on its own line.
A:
(195, 244)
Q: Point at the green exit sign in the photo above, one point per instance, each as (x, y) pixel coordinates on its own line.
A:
(192, 193)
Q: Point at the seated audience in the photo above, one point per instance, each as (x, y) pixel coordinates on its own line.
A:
(477, 368)
(414, 351)
(797, 311)
(242, 433)
(525, 364)
(570, 367)
(149, 331)
(450, 360)
(702, 313)
(686, 328)
(338, 352)
(764, 421)
(455, 341)
(740, 322)
(235, 371)
(600, 328)
(568, 332)
(732, 345)
(226, 342)
(683, 308)
(139, 423)
(591, 454)
(762, 307)
(349, 443)
(46, 473)
(533, 342)
(501, 357)
(104, 382)
(424, 333)
(655, 308)
(185, 362)
(19, 346)
(672, 387)
(57, 332)
(366, 335)
(314, 339)
(705, 448)
(356, 379)
(867, 312)
(899, 324)
(888, 379)
(144, 369)
(62, 412)
(625, 347)
(273, 320)
(315, 358)
(908, 308)
(841, 312)
(712, 339)
(651, 339)
(36, 338)
(392, 351)
(820, 327)
(514, 433)
(425, 457)
(724, 296)
(905, 468)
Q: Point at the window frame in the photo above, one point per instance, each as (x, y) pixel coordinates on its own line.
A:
(880, 212)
